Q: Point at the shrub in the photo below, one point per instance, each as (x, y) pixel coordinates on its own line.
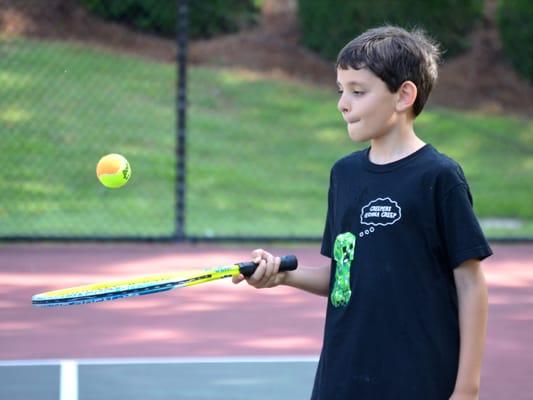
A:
(206, 17)
(327, 28)
(514, 21)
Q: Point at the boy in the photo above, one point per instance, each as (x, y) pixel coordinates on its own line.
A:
(407, 309)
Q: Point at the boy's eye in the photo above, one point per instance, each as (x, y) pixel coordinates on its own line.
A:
(355, 92)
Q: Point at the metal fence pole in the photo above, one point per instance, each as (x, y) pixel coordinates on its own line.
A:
(181, 105)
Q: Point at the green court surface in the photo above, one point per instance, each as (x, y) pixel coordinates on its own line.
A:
(259, 378)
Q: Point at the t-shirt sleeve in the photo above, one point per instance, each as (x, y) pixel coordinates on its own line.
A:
(326, 249)
(459, 227)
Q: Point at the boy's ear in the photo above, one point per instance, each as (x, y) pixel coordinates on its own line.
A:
(406, 96)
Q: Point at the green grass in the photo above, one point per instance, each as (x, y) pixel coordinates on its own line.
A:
(258, 153)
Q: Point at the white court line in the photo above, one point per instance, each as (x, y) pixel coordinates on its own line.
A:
(161, 360)
(69, 368)
(68, 387)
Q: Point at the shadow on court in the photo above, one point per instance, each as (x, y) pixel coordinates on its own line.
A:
(276, 334)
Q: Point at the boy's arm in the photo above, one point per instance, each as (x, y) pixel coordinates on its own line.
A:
(473, 309)
(313, 280)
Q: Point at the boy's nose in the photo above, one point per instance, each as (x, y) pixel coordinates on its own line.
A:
(343, 108)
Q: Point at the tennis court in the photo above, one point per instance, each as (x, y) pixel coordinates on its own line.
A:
(160, 379)
(213, 341)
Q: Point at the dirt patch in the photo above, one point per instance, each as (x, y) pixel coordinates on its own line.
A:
(480, 79)
(483, 78)
(66, 20)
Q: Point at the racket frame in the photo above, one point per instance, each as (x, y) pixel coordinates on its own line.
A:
(148, 284)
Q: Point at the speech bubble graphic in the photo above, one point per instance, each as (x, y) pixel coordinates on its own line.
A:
(381, 212)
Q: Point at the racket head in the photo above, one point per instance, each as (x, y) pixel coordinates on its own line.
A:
(113, 290)
(45, 300)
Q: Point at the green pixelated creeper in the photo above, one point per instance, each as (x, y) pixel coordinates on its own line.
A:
(343, 254)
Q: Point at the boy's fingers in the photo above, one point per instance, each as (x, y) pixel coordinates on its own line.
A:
(270, 272)
(277, 262)
(265, 273)
(257, 276)
(257, 253)
(237, 278)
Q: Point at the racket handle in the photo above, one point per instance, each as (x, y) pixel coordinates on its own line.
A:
(288, 263)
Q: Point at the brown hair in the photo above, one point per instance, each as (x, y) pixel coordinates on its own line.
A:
(395, 56)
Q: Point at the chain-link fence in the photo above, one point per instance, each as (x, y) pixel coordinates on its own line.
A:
(64, 105)
(71, 97)
(253, 159)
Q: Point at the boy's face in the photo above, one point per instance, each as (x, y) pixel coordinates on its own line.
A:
(366, 104)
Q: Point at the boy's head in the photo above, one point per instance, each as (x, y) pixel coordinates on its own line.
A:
(395, 56)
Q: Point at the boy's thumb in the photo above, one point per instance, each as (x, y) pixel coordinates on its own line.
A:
(237, 278)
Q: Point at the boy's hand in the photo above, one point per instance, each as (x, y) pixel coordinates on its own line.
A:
(266, 275)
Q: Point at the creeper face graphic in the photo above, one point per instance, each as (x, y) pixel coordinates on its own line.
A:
(343, 253)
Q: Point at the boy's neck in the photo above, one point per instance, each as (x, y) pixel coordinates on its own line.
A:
(395, 145)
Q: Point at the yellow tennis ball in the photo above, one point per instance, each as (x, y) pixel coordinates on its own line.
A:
(113, 171)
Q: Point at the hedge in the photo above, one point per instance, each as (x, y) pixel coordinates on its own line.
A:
(206, 17)
(327, 27)
(514, 21)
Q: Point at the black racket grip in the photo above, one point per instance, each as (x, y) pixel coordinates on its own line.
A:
(288, 263)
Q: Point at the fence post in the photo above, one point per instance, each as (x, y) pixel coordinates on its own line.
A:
(181, 106)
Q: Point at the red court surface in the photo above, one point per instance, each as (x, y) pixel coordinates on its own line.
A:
(220, 319)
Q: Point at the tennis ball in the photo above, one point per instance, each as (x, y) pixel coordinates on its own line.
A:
(113, 171)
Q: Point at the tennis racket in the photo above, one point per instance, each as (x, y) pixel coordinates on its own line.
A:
(112, 290)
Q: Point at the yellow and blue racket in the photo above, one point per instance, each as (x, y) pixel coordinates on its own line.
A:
(148, 284)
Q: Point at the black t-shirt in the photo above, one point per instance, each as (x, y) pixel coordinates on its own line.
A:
(395, 233)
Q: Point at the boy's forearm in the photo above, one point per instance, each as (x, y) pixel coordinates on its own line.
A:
(473, 311)
(313, 280)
